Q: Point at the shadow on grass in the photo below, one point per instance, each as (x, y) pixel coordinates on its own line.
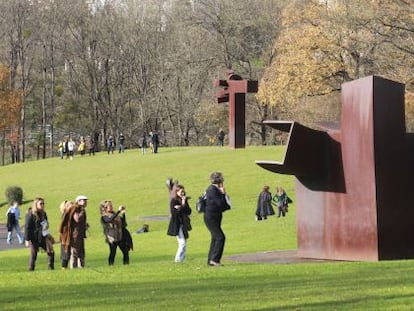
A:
(206, 289)
(2, 204)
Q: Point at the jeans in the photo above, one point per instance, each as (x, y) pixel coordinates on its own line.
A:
(18, 233)
(182, 246)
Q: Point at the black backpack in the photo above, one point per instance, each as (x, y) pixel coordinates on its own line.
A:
(201, 203)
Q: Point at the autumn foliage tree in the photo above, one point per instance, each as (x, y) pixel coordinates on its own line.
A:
(326, 43)
(10, 105)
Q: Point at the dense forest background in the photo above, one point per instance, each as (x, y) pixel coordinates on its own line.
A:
(103, 68)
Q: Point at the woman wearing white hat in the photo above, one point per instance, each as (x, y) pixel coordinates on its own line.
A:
(78, 227)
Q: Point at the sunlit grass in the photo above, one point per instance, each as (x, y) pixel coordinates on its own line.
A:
(152, 281)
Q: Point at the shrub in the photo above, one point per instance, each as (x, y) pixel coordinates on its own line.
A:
(14, 193)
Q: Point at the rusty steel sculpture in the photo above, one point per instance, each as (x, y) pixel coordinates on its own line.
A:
(354, 180)
(234, 92)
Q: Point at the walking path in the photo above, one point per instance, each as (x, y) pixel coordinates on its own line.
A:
(3, 239)
(274, 257)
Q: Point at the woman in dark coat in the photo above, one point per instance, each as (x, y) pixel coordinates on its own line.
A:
(215, 206)
(180, 221)
(264, 204)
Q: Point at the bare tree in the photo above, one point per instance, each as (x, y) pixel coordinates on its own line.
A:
(20, 28)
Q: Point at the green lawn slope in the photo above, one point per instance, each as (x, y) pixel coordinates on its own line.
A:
(153, 281)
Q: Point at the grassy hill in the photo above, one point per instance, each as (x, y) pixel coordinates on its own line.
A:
(152, 281)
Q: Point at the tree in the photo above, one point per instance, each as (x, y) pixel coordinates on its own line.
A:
(325, 44)
(242, 32)
(9, 110)
(19, 21)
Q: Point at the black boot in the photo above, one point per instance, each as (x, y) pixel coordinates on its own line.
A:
(51, 261)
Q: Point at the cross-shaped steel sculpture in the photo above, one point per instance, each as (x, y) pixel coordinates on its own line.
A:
(234, 91)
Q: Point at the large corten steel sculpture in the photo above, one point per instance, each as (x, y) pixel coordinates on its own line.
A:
(354, 182)
(234, 91)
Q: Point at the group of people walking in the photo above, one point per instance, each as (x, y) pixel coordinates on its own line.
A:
(86, 145)
(72, 231)
(68, 148)
(266, 201)
(73, 226)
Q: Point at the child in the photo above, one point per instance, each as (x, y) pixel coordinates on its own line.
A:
(13, 216)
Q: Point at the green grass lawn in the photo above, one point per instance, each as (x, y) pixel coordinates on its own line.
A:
(152, 281)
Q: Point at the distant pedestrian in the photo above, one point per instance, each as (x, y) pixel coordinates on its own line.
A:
(144, 143)
(121, 143)
(110, 144)
(220, 137)
(264, 204)
(282, 201)
(82, 146)
(90, 145)
(155, 142)
(66, 147)
(60, 149)
(71, 148)
(13, 216)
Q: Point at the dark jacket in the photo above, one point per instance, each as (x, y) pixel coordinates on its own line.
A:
(264, 204)
(115, 229)
(216, 202)
(33, 228)
(179, 217)
(112, 226)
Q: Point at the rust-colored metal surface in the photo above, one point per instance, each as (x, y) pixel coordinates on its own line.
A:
(353, 181)
(234, 91)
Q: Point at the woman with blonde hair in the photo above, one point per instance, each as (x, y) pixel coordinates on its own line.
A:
(67, 208)
(282, 201)
(37, 234)
(115, 232)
